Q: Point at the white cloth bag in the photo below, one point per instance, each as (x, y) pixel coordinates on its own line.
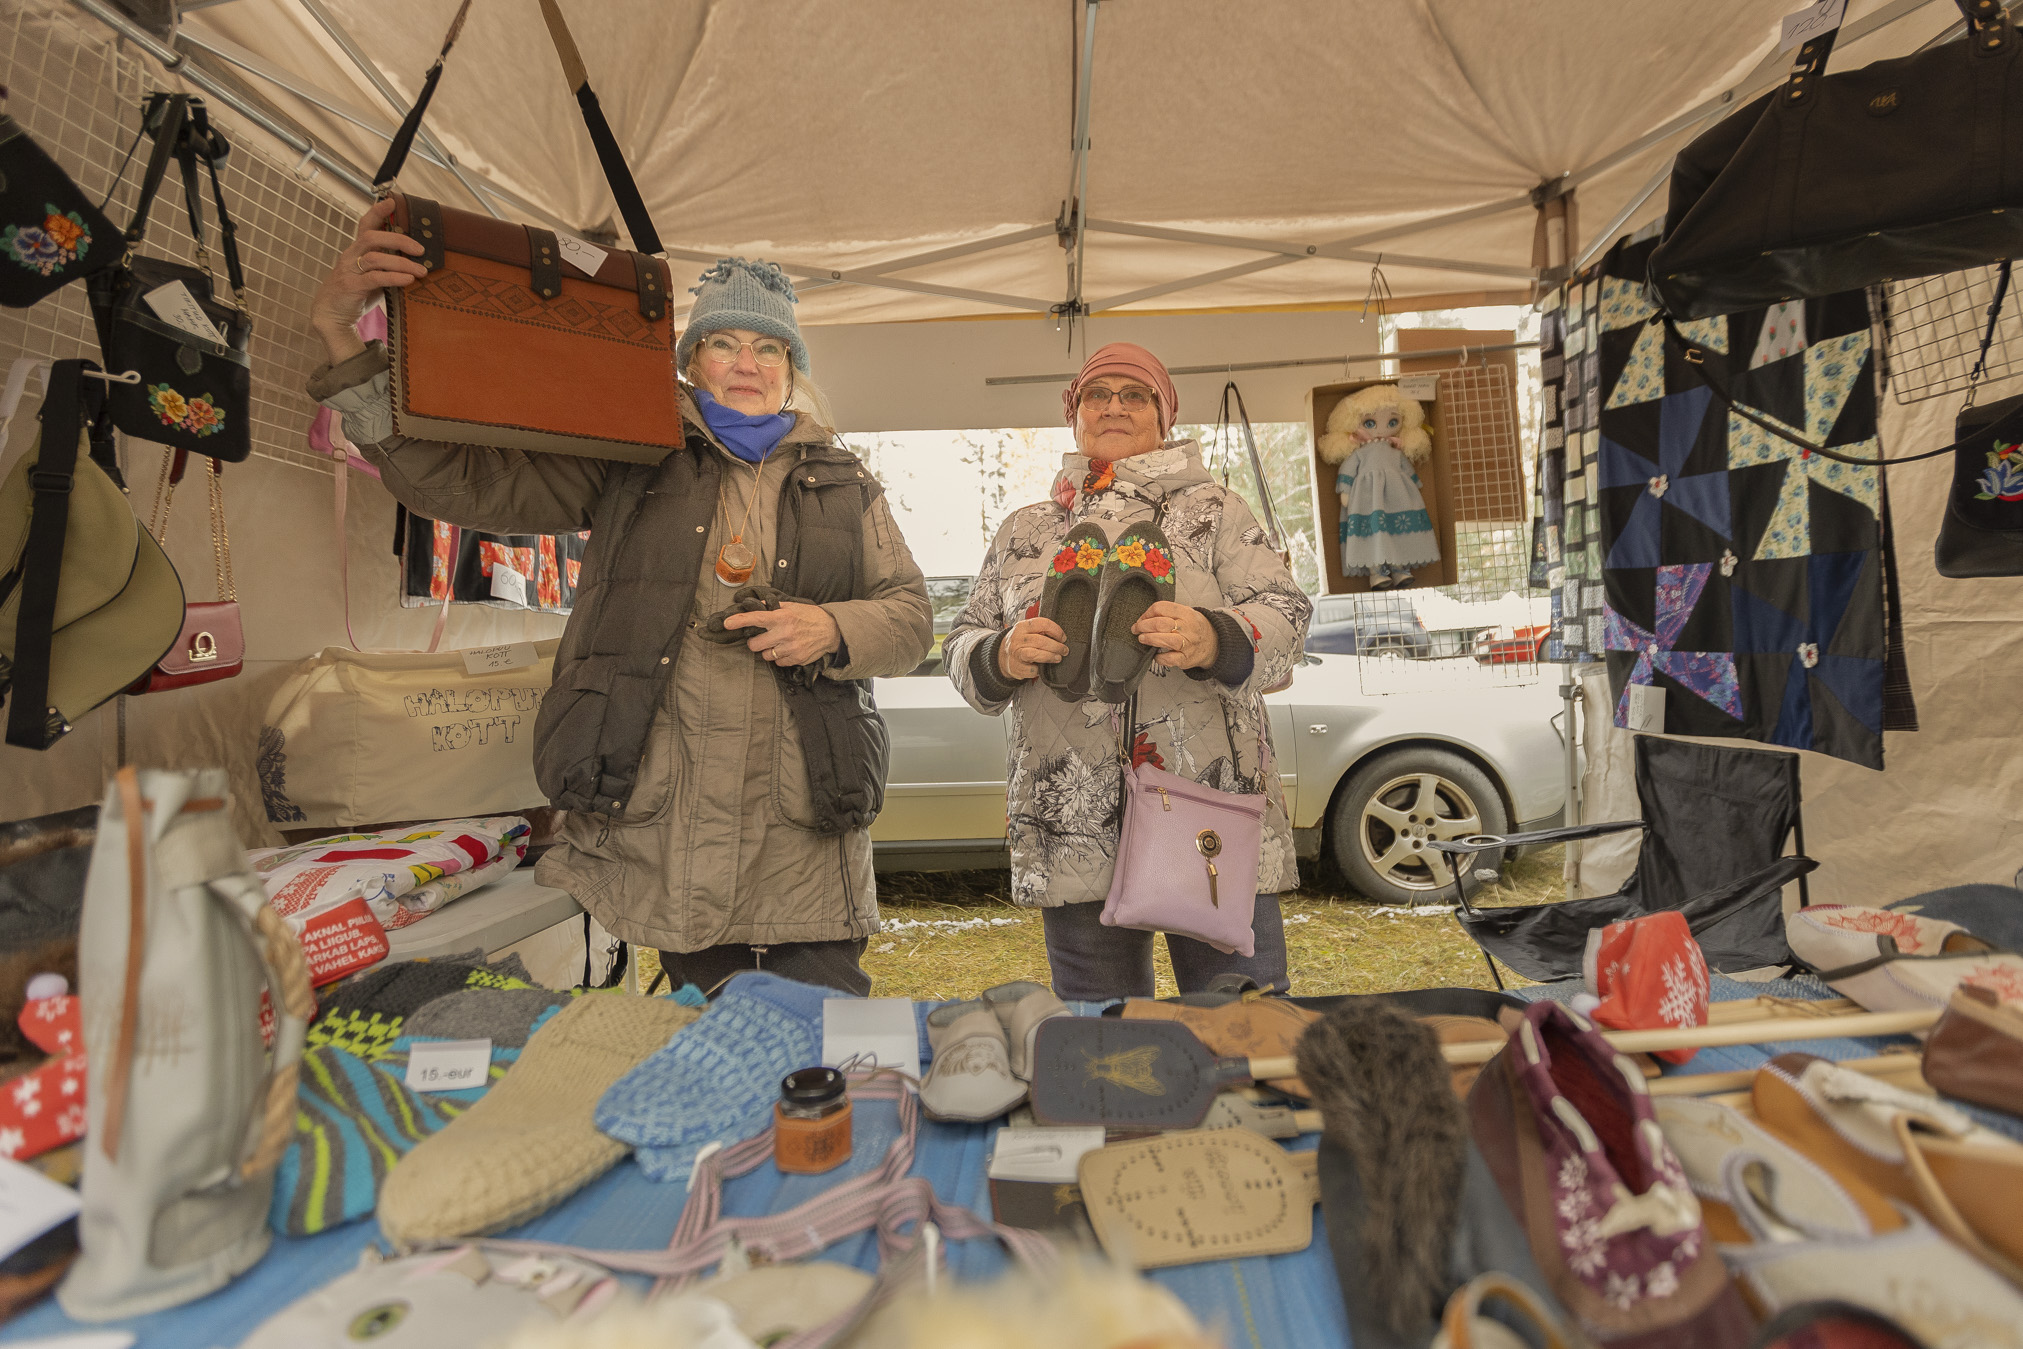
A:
(357, 738)
(188, 1111)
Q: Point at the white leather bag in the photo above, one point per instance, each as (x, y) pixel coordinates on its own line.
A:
(188, 1110)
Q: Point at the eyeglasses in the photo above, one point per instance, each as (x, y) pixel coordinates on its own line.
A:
(1095, 398)
(723, 350)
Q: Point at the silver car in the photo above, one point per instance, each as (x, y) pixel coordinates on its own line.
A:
(1371, 779)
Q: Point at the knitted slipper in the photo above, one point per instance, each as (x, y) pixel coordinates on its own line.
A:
(1137, 573)
(971, 1078)
(1069, 599)
(531, 1142)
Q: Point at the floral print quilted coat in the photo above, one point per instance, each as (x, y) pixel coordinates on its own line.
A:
(1063, 759)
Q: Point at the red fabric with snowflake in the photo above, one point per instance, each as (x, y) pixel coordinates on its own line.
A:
(1649, 974)
(45, 1109)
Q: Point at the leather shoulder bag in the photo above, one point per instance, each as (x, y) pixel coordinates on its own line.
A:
(50, 233)
(1904, 168)
(195, 392)
(484, 345)
(212, 644)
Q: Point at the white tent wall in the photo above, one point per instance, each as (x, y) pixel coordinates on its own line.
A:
(931, 376)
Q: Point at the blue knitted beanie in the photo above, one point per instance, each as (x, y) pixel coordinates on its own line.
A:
(716, 1080)
(735, 293)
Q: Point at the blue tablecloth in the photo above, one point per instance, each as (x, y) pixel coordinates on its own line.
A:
(1272, 1302)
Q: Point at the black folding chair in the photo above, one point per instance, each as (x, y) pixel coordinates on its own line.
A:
(1716, 822)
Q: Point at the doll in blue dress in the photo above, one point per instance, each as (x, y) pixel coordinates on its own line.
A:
(1377, 434)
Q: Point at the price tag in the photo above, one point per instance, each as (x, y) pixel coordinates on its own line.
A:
(1646, 709)
(448, 1065)
(1420, 388)
(174, 305)
(498, 659)
(585, 258)
(1810, 23)
(508, 584)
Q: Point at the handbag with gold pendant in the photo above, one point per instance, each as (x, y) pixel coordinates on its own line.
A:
(212, 644)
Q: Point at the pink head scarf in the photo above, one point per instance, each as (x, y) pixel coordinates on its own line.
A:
(1126, 358)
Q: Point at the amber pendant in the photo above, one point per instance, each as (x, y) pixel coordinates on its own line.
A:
(734, 562)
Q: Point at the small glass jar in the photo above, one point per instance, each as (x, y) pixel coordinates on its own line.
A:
(811, 1122)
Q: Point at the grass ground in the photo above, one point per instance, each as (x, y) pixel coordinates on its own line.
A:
(954, 933)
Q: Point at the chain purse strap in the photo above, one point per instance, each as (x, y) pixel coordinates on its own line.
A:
(173, 464)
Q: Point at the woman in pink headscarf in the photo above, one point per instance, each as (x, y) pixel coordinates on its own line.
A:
(1231, 623)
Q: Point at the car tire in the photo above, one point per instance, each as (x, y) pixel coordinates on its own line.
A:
(1392, 804)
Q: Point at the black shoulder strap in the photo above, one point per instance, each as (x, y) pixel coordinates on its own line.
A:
(631, 206)
(31, 722)
(202, 141)
(164, 120)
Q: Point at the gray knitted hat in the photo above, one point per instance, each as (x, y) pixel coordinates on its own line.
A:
(736, 293)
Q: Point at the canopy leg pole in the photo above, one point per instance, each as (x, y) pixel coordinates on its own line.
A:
(1569, 696)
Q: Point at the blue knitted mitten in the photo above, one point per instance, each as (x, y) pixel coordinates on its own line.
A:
(717, 1079)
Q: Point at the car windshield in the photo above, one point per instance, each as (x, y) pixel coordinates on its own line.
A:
(945, 595)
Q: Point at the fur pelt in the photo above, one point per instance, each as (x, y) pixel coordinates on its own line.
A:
(1385, 1100)
(1339, 442)
(14, 850)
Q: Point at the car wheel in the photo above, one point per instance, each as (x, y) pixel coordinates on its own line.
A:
(1393, 806)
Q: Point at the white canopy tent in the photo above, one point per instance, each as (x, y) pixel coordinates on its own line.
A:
(916, 161)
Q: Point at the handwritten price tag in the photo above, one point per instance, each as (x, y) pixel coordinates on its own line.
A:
(508, 584)
(586, 258)
(448, 1065)
(1810, 22)
(1420, 388)
(498, 659)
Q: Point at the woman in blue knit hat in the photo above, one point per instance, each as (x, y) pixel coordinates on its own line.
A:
(758, 579)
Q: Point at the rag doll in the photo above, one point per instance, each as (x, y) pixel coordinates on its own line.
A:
(1377, 434)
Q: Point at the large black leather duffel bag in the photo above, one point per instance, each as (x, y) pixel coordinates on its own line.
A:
(1904, 168)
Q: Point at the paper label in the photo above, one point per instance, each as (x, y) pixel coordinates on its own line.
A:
(1646, 708)
(174, 305)
(346, 938)
(868, 1029)
(498, 659)
(1810, 22)
(30, 1204)
(1420, 388)
(586, 258)
(448, 1065)
(508, 584)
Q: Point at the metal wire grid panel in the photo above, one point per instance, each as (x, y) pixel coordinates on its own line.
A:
(1932, 329)
(1479, 630)
(78, 92)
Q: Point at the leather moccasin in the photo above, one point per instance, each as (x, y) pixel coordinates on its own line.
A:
(1020, 1007)
(1137, 573)
(1074, 581)
(971, 1078)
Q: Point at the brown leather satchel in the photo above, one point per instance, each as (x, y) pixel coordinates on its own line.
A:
(503, 341)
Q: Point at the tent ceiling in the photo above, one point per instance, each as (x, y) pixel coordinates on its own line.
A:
(873, 147)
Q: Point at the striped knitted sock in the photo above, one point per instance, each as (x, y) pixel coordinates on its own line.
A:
(354, 1119)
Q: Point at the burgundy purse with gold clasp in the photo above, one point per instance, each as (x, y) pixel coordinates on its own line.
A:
(212, 644)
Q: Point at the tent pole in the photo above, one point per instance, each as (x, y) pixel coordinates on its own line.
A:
(1239, 366)
(179, 63)
(1078, 206)
(343, 39)
(1606, 235)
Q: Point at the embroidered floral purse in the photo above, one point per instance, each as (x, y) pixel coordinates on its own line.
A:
(191, 391)
(50, 233)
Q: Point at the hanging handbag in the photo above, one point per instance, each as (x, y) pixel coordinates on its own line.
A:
(1187, 854)
(189, 1111)
(88, 600)
(195, 391)
(50, 233)
(1903, 168)
(212, 644)
(486, 347)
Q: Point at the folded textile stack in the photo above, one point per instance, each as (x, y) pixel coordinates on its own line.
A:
(341, 894)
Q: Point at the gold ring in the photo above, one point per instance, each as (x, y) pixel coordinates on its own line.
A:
(358, 264)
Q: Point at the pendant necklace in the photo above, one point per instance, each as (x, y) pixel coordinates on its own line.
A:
(735, 560)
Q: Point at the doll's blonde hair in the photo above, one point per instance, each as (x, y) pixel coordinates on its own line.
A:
(1338, 444)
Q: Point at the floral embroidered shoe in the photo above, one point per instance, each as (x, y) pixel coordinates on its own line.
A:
(1069, 598)
(1137, 573)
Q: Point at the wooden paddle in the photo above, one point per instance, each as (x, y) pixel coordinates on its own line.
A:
(1904, 1070)
(1771, 1030)
(1133, 1074)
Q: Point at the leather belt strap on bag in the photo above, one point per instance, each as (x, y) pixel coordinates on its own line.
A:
(479, 343)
